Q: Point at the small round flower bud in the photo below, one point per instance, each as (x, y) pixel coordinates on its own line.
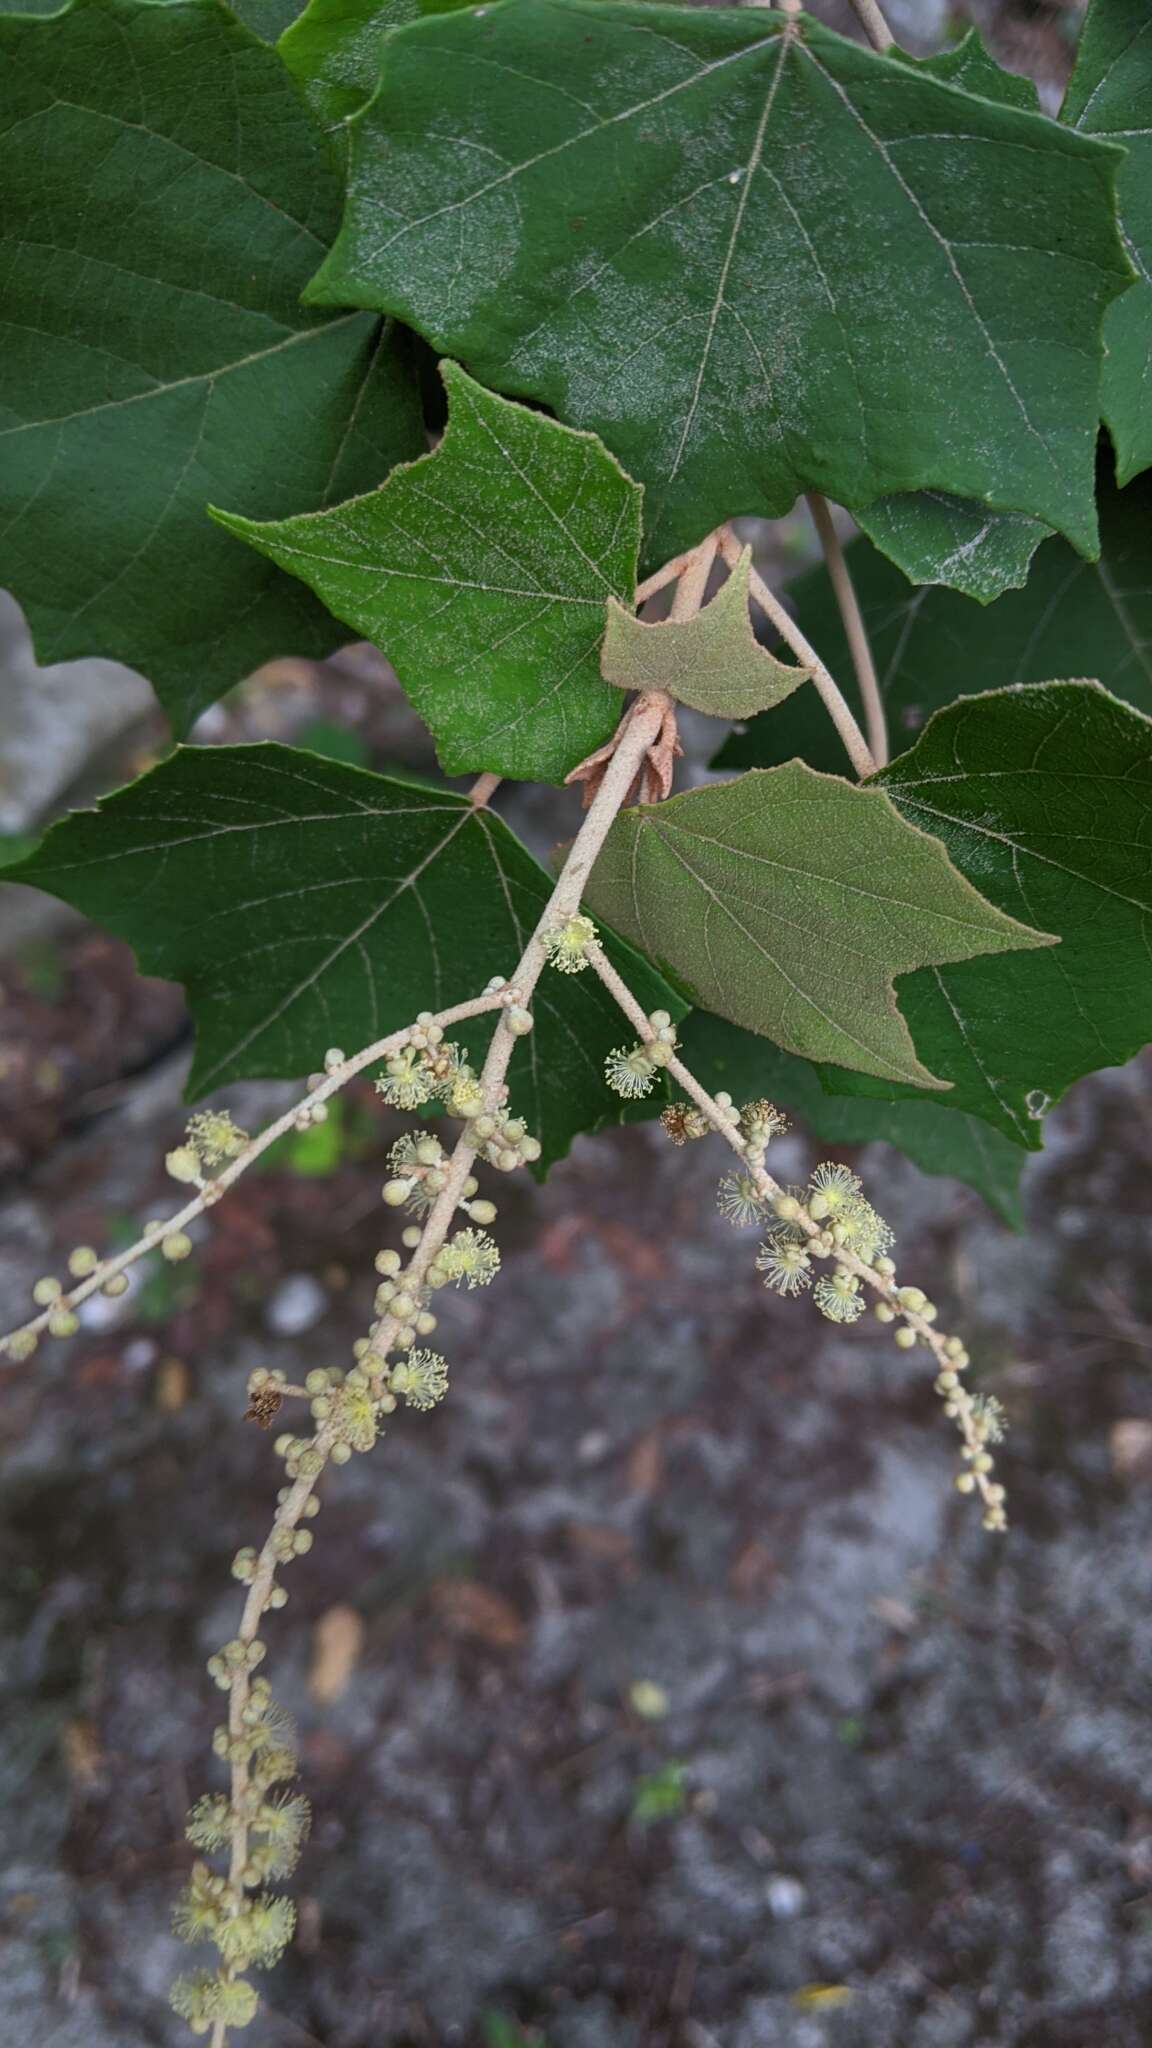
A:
(723, 1099)
(905, 1337)
(964, 1482)
(929, 1311)
(319, 1112)
(495, 983)
(340, 1453)
(176, 1246)
(884, 1313)
(483, 1213)
(302, 1541)
(82, 1262)
(953, 1347)
(885, 1266)
(519, 1021)
(484, 1127)
(333, 1058)
(396, 1192)
(316, 1382)
(817, 1206)
(21, 1344)
(507, 1160)
(425, 1323)
(403, 1306)
(530, 1149)
(659, 1053)
(912, 1298)
(786, 1207)
(982, 1462)
(278, 1597)
(410, 1236)
(46, 1290)
(184, 1163)
(62, 1323)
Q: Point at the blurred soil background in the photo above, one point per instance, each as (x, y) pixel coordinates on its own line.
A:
(657, 1691)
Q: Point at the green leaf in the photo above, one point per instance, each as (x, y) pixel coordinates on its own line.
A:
(1110, 95)
(1042, 796)
(971, 66)
(934, 1136)
(786, 901)
(333, 50)
(935, 538)
(483, 571)
(932, 646)
(691, 229)
(304, 903)
(166, 196)
(713, 662)
(266, 18)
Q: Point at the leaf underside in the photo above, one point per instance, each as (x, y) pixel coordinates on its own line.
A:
(713, 662)
(483, 571)
(166, 197)
(787, 901)
(1043, 797)
(688, 229)
(305, 903)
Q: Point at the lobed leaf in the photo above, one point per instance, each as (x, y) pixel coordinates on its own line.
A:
(483, 571)
(787, 901)
(333, 50)
(166, 197)
(305, 903)
(689, 229)
(713, 662)
(1043, 797)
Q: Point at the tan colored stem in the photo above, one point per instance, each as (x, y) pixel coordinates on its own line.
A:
(829, 691)
(855, 631)
(483, 788)
(213, 1189)
(874, 25)
(727, 1124)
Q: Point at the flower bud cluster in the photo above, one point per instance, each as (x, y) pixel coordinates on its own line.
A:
(503, 1141)
(631, 1070)
(566, 943)
(248, 1926)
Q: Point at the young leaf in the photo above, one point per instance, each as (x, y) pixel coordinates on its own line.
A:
(714, 662)
(690, 229)
(935, 538)
(483, 570)
(937, 1138)
(1042, 796)
(1110, 95)
(304, 903)
(333, 51)
(787, 901)
(166, 196)
(932, 647)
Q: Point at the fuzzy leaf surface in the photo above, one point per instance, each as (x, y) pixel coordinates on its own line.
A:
(934, 1136)
(936, 538)
(155, 350)
(933, 536)
(1042, 796)
(305, 903)
(786, 901)
(933, 646)
(713, 662)
(689, 229)
(483, 571)
(333, 51)
(1110, 95)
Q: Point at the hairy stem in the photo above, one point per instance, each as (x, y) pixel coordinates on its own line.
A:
(833, 699)
(855, 630)
(874, 25)
(214, 1188)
